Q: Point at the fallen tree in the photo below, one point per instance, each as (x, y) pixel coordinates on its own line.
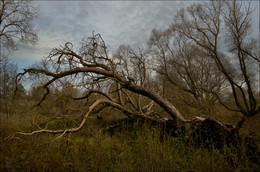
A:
(94, 69)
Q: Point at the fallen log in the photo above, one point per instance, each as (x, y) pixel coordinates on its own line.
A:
(212, 133)
(201, 131)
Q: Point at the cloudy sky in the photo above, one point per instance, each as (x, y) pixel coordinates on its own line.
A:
(118, 22)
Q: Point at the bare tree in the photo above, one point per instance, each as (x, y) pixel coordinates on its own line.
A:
(201, 23)
(188, 68)
(8, 72)
(16, 19)
(9, 101)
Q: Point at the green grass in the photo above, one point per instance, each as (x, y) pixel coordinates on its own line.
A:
(139, 149)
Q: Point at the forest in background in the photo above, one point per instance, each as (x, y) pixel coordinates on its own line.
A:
(189, 102)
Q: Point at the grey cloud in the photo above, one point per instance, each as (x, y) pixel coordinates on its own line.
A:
(61, 19)
(130, 22)
(136, 19)
(119, 22)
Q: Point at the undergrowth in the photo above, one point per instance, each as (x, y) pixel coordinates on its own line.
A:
(140, 148)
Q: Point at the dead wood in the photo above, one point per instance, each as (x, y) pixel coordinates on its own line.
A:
(200, 131)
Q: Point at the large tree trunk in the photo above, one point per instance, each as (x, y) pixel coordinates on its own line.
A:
(166, 105)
